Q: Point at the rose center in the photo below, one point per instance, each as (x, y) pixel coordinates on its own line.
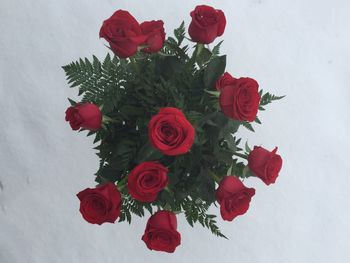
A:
(148, 181)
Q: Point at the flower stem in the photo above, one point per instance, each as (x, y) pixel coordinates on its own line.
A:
(122, 183)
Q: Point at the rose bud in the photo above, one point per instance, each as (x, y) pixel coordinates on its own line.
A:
(87, 116)
(264, 164)
(154, 31)
(240, 101)
(233, 197)
(146, 180)
(160, 233)
(207, 24)
(101, 204)
(225, 80)
(123, 33)
(170, 132)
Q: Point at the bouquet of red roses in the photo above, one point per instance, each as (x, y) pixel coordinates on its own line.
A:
(164, 114)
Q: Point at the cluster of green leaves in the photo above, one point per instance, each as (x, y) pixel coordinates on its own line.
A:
(131, 91)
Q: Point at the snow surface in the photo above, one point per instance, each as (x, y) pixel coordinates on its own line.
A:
(295, 47)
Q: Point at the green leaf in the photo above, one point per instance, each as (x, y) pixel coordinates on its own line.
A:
(257, 120)
(72, 102)
(131, 111)
(108, 173)
(97, 82)
(180, 33)
(202, 56)
(214, 93)
(268, 98)
(147, 153)
(231, 143)
(247, 149)
(168, 66)
(216, 49)
(228, 128)
(248, 126)
(215, 68)
(206, 186)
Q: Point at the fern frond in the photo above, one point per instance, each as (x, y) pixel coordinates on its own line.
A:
(268, 98)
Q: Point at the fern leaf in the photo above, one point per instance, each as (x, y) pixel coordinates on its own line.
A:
(268, 98)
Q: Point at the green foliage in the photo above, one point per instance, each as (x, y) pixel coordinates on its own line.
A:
(130, 205)
(247, 125)
(214, 70)
(196, 210)
(99, 83)
(180, 33)
(216, 49)
(131, 91)
(267, 98)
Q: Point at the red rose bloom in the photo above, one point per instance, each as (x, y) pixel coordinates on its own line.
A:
(160, 233)
(101, 204)
(87, 116)
(233, 197)
(225, 80)
(207, 24)
(170, 132)
(123, 33)
(154, 31)
(146, 180)
(240, 101)
(264, 164)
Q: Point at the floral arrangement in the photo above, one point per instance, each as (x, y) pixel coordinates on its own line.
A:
(164, 114)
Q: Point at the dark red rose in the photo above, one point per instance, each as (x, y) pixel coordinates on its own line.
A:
(225, 80)
(87, 116)
(154, 31)
(146, 180)
(170, 132)
(123, 33)
(101, 204)
(240, 101)
(233, 197)
(264, 164)
(207, 24)
(160, 233)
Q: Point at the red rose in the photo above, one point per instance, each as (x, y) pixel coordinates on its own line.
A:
(87, 116)
(170, 132)
(101, 204)
(240, 101)
(207, 24)
(233, 197)
(146, 180)
(264, 164)
(123, 33)
(160, 233)
(225, 80)
(154, 31)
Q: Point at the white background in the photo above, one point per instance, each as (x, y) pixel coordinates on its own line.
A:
(295, 47)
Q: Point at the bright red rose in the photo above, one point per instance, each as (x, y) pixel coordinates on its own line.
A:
(233, 197)
(146, 180)
(170, 132)
(154, 31)
(264, 164)
(123, 33)
(160, 233)
(207, 24)
(87, 116)
(240, 101)
(101, 204)
(225, 80)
